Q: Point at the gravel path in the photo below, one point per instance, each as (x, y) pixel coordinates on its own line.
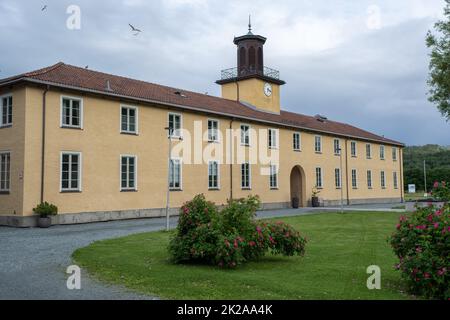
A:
(33, 261)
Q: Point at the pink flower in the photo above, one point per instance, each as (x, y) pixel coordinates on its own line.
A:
(442, 271)
(421, 227)
(436, 225)
(398, 226)
(426, 275)
(418, 249)
(438, 213)
(436, 184)
(235, 243)
(252, 243)
(430, 218)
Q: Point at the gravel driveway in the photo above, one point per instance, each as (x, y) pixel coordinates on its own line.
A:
(33, 262)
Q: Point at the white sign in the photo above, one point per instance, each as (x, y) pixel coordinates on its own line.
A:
(411, 188)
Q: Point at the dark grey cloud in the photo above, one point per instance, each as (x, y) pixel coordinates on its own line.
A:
(333, 64)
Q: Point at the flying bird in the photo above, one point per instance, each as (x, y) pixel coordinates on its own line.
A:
(44, 7)
(137, 31)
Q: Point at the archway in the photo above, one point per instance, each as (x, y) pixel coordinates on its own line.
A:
(298, 185)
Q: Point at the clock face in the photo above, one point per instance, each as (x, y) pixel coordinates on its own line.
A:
(268, 89)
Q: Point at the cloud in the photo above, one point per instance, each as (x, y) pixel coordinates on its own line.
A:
(336, 58)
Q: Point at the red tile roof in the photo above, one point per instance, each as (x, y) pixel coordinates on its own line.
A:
(68, 76)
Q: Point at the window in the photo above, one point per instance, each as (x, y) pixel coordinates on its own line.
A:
(175, 174)
(213, 175)
(354, 179)
(319, 183)
(382, 152)
(369, 179)
(273, 138)
(70, 171)
(337, 178)
(337, 147)
(129, 120)
(353, 148)
(273, 176)
(213, 130)
(175, 125)
(245, 135)
(394, 153)
(6, 110)
(71, 112)
(128, 173)
(318, 144)
(394, 176)
(245, 176)
(383, 180)
(296, 141)
(368, 151)
(5, 171)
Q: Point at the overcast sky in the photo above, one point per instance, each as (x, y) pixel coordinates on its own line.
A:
(360, 62)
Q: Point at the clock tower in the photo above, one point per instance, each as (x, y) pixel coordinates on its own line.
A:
(251, 82)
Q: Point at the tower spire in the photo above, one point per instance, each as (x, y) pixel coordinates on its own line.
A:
(249, 24)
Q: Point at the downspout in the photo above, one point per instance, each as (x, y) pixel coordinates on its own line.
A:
(231, 158)
(44, 107)
(346, 171)
(402, 187)
(237, 91)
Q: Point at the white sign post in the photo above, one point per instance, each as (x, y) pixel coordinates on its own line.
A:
(411, 188)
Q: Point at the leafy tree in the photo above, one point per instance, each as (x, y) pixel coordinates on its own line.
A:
(439, 80)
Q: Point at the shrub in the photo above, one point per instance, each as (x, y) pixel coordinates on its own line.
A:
(229, 237)
(45, 209)
(441, 191)
(422, 243)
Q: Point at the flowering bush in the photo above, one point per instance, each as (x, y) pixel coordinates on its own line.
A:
(230, 237)
(441, 191)
(422, 243)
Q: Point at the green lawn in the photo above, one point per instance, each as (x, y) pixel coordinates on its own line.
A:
(340, 248)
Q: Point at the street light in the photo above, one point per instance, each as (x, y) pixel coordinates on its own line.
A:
(170, 131)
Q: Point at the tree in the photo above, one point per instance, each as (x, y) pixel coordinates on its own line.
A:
(439, 78)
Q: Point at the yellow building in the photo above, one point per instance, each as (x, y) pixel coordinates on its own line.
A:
(96, 145)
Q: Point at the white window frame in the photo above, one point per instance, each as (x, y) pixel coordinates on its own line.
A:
(180, 133)
(318, 139)
(272, 138)
(299, 142)
(354, 175)
(337, 152)
(217, 139)
(62, 125)
(337, 178)
(180, 160)
(218, 175)
(353, 143)
(369, 179)
(274, 170)
(80, 172)
(244, 187)
(382, 152)
(135, 188)
(319, 174)
(395, 179)
(136, 115)
(6, 124)
(243, 135)
(368, 151)
(394, 153)
(7, 173)
(383, 179)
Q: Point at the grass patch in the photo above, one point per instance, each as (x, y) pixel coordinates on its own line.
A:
(340, 248)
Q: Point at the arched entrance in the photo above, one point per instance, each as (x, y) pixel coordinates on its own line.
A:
(298, 185)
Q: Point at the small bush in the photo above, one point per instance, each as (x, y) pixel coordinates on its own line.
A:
(45, 209)
(441, 191)
(229, 237)
(422, 243)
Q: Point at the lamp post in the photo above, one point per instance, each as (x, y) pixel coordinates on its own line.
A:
(170, 131)
(340, 179)
(425, 176)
